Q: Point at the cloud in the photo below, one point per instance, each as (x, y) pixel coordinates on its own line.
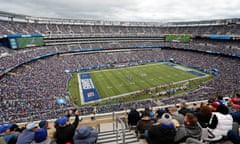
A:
(134, 10)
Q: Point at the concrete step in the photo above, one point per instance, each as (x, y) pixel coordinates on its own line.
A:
(113, 140)
(114, 135)
(113, 132)
(109, 137)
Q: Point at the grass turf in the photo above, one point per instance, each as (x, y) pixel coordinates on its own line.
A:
(124, 80)
(112, 82)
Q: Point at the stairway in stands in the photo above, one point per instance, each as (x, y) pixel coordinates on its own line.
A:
(110, 135)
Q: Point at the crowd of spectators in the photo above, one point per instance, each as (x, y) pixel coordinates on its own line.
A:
(33, 88)
(185, 123)
(62, 132)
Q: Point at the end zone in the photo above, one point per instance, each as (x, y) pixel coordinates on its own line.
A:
(87, 90)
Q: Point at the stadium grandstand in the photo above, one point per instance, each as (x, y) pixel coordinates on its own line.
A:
(39, 55)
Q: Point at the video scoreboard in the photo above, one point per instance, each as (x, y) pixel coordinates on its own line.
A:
(19, 41)
(181, 38)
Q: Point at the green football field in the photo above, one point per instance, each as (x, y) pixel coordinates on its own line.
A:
(114, 82)
(124, 83)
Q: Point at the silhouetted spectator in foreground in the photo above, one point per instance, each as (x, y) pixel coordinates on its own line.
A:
(162, 133)
(85, 135)
(144, 123)
(133, 117)
(65, 130)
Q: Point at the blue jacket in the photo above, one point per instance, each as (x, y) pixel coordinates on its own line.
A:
(26, 137)
(236, 117)
(85, 135)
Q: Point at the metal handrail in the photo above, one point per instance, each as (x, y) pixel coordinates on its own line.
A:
(118, 120)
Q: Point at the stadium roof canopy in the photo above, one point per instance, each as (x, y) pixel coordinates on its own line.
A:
(12, 15)
(26, 18)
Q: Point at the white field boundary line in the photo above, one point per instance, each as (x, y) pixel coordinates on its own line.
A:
(80, 89)
(178, 66)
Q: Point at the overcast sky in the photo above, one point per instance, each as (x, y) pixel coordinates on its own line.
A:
(126, 10)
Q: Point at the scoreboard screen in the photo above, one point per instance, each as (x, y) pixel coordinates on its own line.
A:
(181, 38)
(19, 41)
(29, 42)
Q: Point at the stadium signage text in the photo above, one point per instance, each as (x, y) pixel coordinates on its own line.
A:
(87, 84)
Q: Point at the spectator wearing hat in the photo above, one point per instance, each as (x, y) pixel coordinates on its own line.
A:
(220, 100)
(133, 117)
(214, 106)
(9, 136)
(40, 137)
(64, 129)
(176, 115)
(160, 112)
(162, 132)
(236, 101)
(85, 135)
(27, 136)
(166, 120)
(43, 124)
(5, 127)
(184, 109)
(191, 129)
(143, 124)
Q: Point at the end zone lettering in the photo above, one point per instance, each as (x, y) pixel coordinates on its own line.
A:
(87, 84)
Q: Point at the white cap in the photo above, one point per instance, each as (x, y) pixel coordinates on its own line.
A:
(32, 125)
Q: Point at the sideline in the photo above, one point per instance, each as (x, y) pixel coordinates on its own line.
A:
(80, 89)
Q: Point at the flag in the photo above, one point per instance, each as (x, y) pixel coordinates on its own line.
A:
(61, 101)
